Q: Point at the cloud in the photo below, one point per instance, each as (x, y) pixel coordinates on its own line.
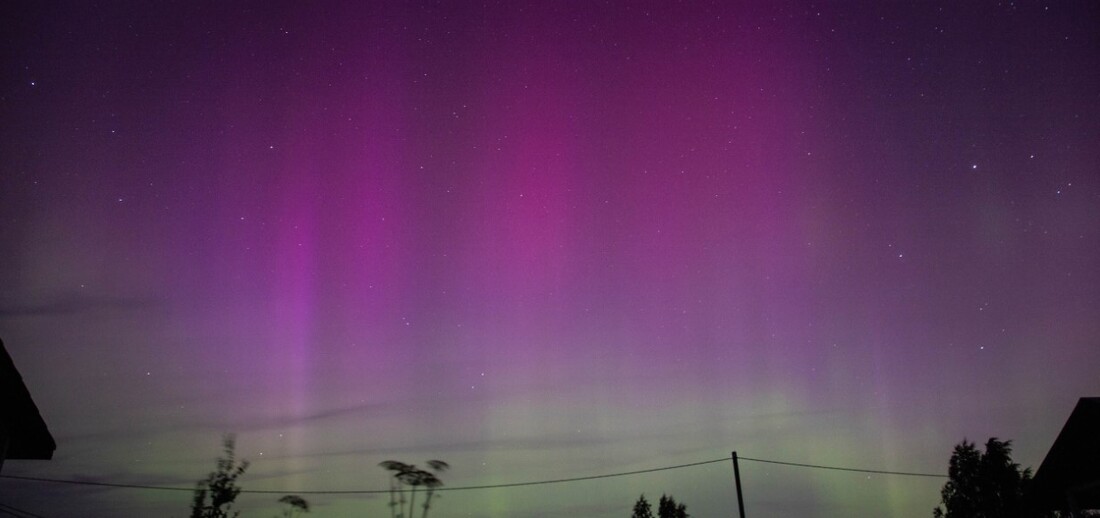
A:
(541, 443)
(70, 304)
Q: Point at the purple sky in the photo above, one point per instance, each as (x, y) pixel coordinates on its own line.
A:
(543, 241)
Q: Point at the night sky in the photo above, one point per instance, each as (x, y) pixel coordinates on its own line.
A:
(545, 240)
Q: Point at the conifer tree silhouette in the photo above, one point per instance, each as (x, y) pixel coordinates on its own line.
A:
(642, 509)
(985, 484)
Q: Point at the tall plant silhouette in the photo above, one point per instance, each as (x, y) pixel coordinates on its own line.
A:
(409, 475)
(431, 482)
(399, 471)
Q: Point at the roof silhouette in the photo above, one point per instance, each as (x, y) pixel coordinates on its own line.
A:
(21, 426)
(1069, 477)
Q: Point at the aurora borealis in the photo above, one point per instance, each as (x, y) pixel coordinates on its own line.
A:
(543, 240)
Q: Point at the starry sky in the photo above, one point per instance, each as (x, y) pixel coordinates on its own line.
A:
(541, 240)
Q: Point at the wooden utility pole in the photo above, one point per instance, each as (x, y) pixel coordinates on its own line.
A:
(737, 482)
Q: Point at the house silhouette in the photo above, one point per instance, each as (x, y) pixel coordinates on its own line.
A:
(23, 433)
(1069, 477)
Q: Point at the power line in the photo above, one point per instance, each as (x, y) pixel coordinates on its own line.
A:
(575, 479)
(103, 484)
(837, 468)
(488, 486)
(17, 512)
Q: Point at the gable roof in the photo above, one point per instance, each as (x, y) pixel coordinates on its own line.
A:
(19, 418)
(1072, 466)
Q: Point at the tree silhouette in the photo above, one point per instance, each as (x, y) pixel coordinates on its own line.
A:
(220, 485)
(409, 475)
(984, 485)
(295, 503)
(642, 508)
(221, 488)
(668, 508)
